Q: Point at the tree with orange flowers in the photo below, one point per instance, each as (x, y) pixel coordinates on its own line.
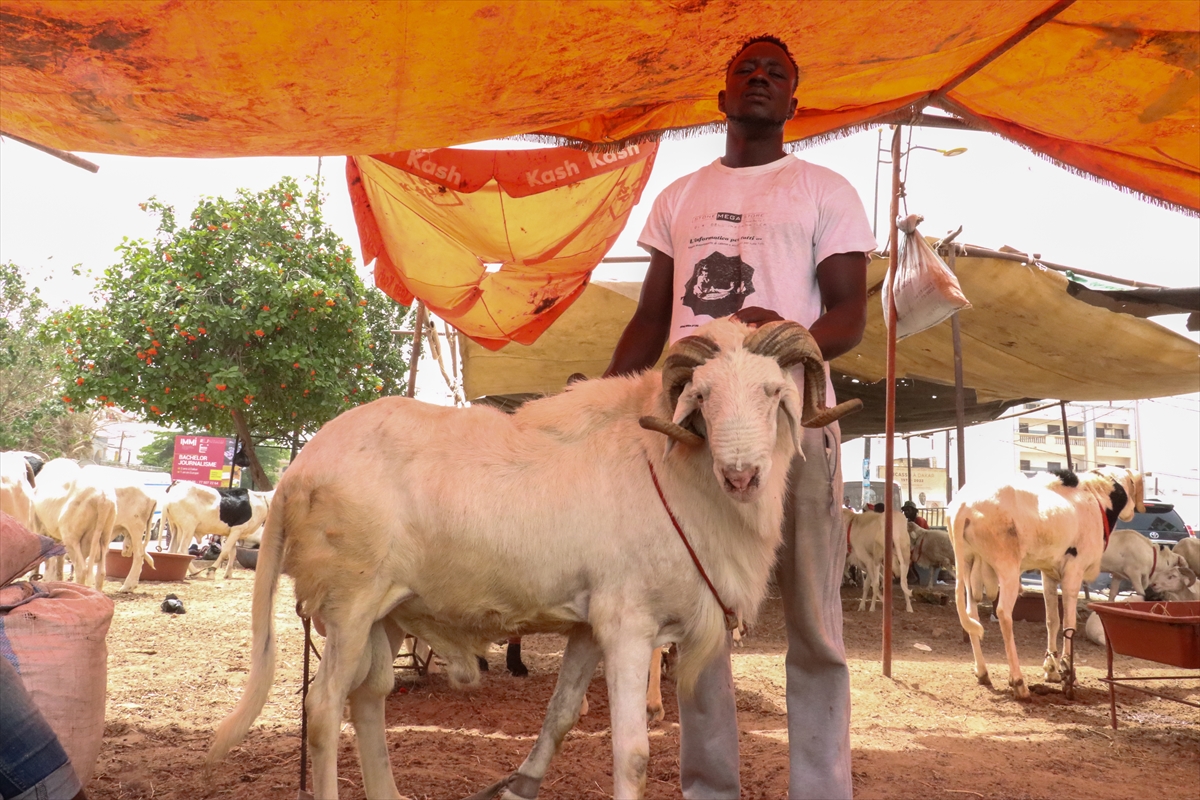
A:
(251, 314)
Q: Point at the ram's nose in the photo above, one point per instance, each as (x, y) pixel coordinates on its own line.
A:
(740, 480)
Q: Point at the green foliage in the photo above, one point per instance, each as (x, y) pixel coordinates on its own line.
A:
(31, 415)
(254, 305)
(160, 453)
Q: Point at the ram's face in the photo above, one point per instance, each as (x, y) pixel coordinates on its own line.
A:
(734, 401)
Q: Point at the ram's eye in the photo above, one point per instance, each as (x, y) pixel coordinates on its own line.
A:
(774, 391)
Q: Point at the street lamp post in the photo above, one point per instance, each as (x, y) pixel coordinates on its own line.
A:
(880, 150)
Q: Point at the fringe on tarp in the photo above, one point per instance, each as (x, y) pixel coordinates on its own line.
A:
(1082, 173)
(985, 125)
(646, 137)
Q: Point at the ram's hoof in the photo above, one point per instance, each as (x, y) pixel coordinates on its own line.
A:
(493, 791)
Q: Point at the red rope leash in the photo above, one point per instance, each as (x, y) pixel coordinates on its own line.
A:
(731, 621)
(1104, 520)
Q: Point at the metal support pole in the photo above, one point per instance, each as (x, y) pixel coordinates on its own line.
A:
(416, 351)
(890, 411)
(960, 403)
(949, 482)
(908, 457)
(1062, 406)
(304, 708)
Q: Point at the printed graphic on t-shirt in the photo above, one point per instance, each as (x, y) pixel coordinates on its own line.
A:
(719, 285)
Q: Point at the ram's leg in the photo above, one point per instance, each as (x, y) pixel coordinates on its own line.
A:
(862, 604)
(626, 670)
(654, 703)
(902, 559)
(75, 543)
(579, 662)
(972, 606)
(55, 569)
(1113, 586)
(366, 712)
(343, 667)
(1050, 595)
(1010, 587)
(1072, 580)
(229, 553)
(137, 543)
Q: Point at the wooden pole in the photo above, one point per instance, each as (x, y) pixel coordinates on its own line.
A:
(1062, 406)
(889, 469)
(70, 158)
(411, 391)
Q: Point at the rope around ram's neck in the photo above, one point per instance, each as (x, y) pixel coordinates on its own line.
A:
(731, 620)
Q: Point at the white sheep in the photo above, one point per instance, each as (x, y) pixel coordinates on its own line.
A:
(1054, 523)
(865, 535)
(464, 526)
(78, 508)
(16, 487)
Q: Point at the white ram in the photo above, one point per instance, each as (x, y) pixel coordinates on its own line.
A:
(16, 487)
(1132, 557)
(1189, 550)
(195, 511)
(931, 549)
(79, 509)
(135, 513)
(1053, 523)
(464, 526)
(865, 535)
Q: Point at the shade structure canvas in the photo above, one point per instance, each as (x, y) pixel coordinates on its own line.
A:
(497, 243)
(1108, 88)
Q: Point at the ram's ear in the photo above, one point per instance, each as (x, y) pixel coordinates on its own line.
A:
(792, 405)
(1189, 577)
(688, 404)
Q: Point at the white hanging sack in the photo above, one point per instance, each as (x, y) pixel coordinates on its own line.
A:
(926, 290)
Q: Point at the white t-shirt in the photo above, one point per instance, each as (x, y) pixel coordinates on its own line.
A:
(754, 237)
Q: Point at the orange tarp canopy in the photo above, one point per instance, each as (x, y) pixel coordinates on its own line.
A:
(435, 220)
(1111, 89)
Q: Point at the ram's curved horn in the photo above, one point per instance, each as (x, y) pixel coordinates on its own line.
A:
(790, 344)
(683, 358)
(676, 432)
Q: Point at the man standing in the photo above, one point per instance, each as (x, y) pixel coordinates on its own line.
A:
(764, 235)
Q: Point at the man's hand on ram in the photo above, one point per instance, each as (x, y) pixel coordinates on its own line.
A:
(756, 316)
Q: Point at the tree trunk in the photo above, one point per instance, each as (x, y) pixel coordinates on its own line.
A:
(259, 475)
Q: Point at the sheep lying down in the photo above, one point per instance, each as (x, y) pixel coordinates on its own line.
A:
(464, 526)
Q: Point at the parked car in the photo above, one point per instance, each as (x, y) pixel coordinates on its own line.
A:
(1161, 524)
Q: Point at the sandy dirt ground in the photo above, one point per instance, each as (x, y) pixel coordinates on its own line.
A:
(929, 731)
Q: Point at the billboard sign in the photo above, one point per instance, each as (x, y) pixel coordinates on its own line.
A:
(206, 460)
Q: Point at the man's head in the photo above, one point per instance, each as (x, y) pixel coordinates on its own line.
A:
(910, 509)
(760, 82)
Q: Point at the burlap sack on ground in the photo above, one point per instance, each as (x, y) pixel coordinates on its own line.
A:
(54, 635)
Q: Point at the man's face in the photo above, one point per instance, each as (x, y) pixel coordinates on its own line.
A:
(759, 86)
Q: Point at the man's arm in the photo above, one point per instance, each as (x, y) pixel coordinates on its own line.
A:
(642, 341)
(842, 279)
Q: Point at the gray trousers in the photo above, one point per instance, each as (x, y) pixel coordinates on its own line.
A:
(810, 565)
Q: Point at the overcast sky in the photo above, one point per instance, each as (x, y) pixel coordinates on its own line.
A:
(54, 215)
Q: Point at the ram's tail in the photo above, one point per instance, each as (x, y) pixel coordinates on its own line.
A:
(963, 572)
(262, 658)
